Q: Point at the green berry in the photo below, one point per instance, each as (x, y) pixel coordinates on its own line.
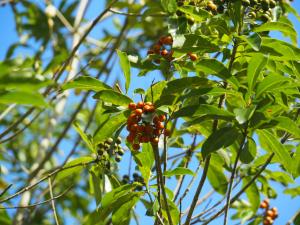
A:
(120, 151)
(119, 140)
(118, 158)
(246, 3)
(109, 141)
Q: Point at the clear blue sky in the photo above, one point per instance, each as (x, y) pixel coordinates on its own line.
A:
(285, 204)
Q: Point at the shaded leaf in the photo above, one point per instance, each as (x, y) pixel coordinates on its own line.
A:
(86, 83)
(23, 98)
(178, 171)
(113, 97)
(125, 65)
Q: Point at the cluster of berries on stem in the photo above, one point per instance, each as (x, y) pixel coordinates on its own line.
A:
(163, 48)
(144, 124)
(108, 148)
(270, 214)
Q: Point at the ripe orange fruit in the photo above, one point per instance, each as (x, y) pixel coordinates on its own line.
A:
(148, 103)
(141, 128)
(168, 40)
(148, 129)
(147, 108)
(130, 138)
(164, 52)
(132, 106)
(263, 205)
(271, 221)
(162, 118)
(154, 141)
(157, 132)
(155, 119)
(159, 125)
(136, 146)
(193, 56)
(140, 105)
(138, 112)
(134, 127)
(270, 213)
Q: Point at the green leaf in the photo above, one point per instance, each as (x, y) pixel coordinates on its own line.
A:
(216, 176)
(122, 215)
(84, 137)
(255, 67)
(113, 97)
(27, 84)
(285, 28)
(95, 183)
(23, 98)
(253, 40)
(249, 151)
(252, 193)
(78, 164)
(107, 129)
(201, 110)
(242, 115)
(293, 192)
(169, 5)
(178, 171)
(86, 83)
(221, 138)
(272, 144)
(288, 125)
(125, 65)
(214, 67)
(144, 159)
(4, 217)
(198, 14)
(269, 83)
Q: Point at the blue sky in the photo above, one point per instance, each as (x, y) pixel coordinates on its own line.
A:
(285, 204)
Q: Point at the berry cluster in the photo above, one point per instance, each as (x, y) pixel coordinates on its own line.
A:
(255, 9)
(163, 48)
(270, 214)
(144, 125)
(110, 147)
(136, 178)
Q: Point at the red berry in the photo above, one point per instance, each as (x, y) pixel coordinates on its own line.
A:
(138, 112)
(155, 141)
(164, 52)
(168, 40)
(150, 52)
(157, 132)
(141, 128)
(156, 48)
(193, 56)
(148, 129)
(148, 103)
(130, 138)
(159, 125)
(136, 146)
(155, 119)
(134, 127)
(140, 105)
(132, 106)
(162, 118)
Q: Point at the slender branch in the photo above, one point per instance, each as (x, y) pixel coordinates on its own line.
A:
(6, 189)
(136, 14)
(290, 222)
(233, 174)
(52, 202)
(6, 111)
(160, 184)
(45, 178)
(39, 203)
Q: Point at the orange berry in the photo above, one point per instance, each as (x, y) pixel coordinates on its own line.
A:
(168, 40)
(140, 105)
(270, 213)
(146, 139)
(134, 127)
(157, 132)
(266, 222)
(147, 108)
(138, 112)
(141, 128)
(156, 48)
(136, 146)
(148, 129)
(154, 141)
(263, 205)
(130, 138)
(148, 103)
(193, 56)
(162, 118)
(164, 52)
(132, 106)
(269, 219)
(159, 125)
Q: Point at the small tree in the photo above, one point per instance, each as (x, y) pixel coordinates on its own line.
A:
(220, 104)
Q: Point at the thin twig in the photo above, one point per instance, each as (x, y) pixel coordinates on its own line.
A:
(136, 14)
(52, 202)
(39, 203)
(160, 184)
